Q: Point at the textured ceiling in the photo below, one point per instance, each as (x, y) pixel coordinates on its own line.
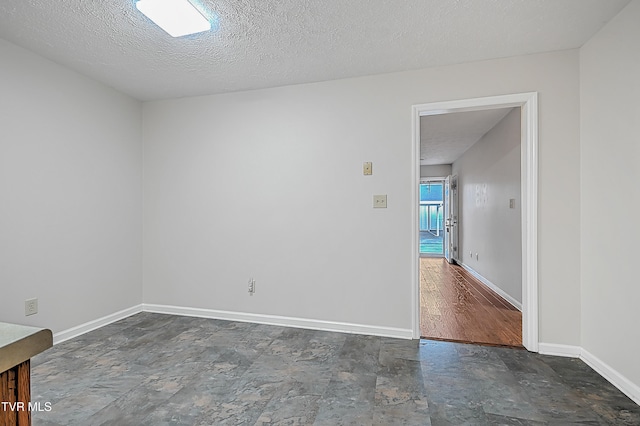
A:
(267, 43)
(444, 138)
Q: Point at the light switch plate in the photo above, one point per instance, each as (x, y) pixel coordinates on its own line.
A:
(380, 201)
(367, 168)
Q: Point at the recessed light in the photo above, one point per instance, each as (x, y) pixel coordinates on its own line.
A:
(177, 17)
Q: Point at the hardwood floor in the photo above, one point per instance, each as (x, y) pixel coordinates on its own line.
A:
(455, 306)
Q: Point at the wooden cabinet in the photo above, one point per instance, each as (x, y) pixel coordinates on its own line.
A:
(18, 344)
(15, 395)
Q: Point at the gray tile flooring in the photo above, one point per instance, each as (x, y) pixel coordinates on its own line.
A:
(152, 369)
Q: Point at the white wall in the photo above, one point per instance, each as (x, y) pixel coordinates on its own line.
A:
(438, 170)
(268, 184)
(70, 194)
(488, 177)
(610, 199)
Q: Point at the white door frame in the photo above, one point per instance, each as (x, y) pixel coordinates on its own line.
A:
(528, 102)
(446, 200)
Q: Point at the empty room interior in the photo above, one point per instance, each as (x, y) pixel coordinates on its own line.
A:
(233, 225)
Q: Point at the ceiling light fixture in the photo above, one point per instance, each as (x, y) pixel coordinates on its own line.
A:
(177, 17)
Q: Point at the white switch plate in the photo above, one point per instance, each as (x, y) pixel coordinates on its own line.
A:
(380, 201)
(367, 168)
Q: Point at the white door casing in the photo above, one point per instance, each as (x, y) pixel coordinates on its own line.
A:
(446, 198)
(528, 102)
(453, 219)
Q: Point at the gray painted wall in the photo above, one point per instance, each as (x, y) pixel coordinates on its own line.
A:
(488, 177)
(610, 199)
(70, 194)
(282, 198)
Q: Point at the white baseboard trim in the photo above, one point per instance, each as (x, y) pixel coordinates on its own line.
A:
(232, 316)
(567, 351)
(614, 377)
(311, 324)
(95, 324)
(610, 374)
(492, 286)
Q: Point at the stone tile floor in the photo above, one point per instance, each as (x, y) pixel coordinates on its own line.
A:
(153, 369)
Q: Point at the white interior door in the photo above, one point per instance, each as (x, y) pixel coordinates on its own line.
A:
(446, 243)
(450, 242)
(454, 223)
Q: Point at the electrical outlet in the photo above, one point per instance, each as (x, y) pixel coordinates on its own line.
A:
(252, 286)
(30, 307)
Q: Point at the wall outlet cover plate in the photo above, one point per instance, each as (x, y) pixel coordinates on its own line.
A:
(30, 307)
(380, 201)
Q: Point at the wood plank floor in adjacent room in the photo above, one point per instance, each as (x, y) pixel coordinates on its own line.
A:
(455, 306)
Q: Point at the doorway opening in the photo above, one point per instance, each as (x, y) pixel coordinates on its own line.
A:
(528, 211)
(438, 212)
(431, 212)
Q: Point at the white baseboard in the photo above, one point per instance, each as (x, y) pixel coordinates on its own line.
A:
(233, 316)
(311, 324)
(567, 351)
(614, 377)
(493, 287)
(610, 374)
(95, 324)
